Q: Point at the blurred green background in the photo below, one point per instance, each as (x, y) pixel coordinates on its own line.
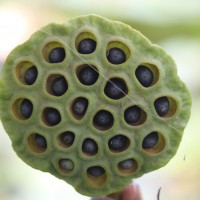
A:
(174, 25)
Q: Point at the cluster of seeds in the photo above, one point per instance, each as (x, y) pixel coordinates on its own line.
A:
(94, 107)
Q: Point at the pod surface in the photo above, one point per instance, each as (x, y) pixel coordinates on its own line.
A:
(109, 162)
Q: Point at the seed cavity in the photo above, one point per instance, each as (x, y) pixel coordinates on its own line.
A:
(56, 85)
(66, 139)
(59, 86)
(144, 76)
(116, 56)
(51, 116)
(128, 166)
(162, 106)
(118, 143)
(150, 140)
(147, 74)
(26, 108)
(134, 115)
(37, 143)
(96, 171)
(79, 107)
(87, 46)
(103, 120)
(85, 43)
(153, 143)
(57, 55)
(89, 147)
(66, 165)
(87, 74)
(54, 52)
(116, 88)
(26, 72)
(96, 176)
(30, 75)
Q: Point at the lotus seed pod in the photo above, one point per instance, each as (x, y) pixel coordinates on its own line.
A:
(93, 102)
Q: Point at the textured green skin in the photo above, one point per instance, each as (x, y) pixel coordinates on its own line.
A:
(141, 51)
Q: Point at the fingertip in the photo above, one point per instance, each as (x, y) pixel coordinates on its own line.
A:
(132, 192)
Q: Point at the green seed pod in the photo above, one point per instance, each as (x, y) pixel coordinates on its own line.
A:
(93, 102)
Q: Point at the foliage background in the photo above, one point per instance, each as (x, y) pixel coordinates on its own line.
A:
(174, 25)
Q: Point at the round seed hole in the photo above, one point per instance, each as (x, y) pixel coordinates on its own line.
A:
(79, 107)
(22, 109)
(147, 74)
(118, 143)
(127, 166)
(51, 116)
(85, 43)
(103, 120)
(116, 88)
(54, 52)
(57, 55)
(66, 139)
(89, 147)
(87, 74)
(66, 165)
(26, 72)
(134, 115)
(116, 56)
(86, 46)
(30, 75)
(56, 85)
(117, 52)
(165, 106)
(26, 108)
(153, 143)
(37, 143)
(96, 175)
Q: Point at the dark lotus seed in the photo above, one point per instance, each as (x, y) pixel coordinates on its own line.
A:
(115, 88)
(96, 171)
(59, 86)
(26, 108)
(116, 56)
(118, 143)
(162, 106)
(30, 75)
(66, 164)
(150, 140)
(80, 106)
(88, 75)
(86, 46)
(52, 116)
(57, 55)
(144, 76)
(89, 146)
(127, 164)
(103, 118)
(132, 114)
(67, 138)
(40, 141)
